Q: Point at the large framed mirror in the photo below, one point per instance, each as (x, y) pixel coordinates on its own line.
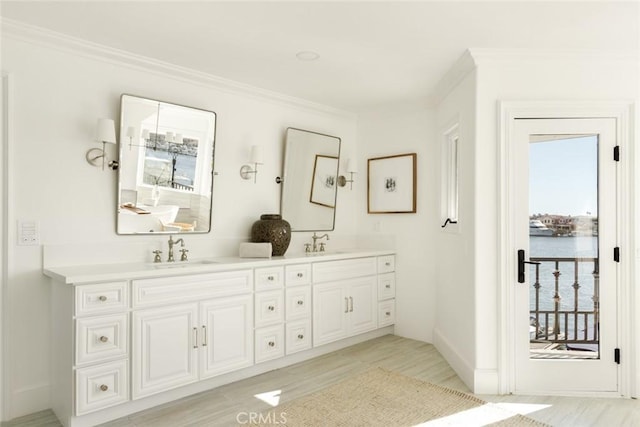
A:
(310, 180)
(165, 179)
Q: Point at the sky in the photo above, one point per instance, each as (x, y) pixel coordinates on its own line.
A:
(563, 176)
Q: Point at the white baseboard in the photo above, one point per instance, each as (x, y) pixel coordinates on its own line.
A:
(28, 400)
(458, 363)
(480, 381)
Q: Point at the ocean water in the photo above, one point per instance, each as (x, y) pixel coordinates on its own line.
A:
(565, 247)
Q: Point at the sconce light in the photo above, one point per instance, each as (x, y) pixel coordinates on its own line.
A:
(107, 135)
(256, 158)
(352, 167)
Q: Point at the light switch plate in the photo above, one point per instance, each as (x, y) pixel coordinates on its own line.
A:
(28, 233)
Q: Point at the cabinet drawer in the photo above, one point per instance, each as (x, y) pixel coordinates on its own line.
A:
(101, 338)
(101, 298)
(169, 290)
(269, 343)
(386, 313)
(296, 275)
(298, 336)
(386, 286)
(298, 302)
(269, 308)
(269, 278)
(338, 270)
(101, 386)
(386, 263)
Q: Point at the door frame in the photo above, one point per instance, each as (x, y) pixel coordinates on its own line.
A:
(508, 112)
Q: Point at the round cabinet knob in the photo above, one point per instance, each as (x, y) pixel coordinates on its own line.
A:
(270, 278)
(388, 264)
(300, 336)
(300, 302)
(271, 308)
(388, 313)
(104, 387)
(272, 344)
(300, 275)
(104, 339)
(102, 298)
(388, 286)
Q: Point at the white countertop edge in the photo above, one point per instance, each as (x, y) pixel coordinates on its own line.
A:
(82, 274)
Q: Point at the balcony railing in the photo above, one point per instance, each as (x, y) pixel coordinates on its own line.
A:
(564, 310)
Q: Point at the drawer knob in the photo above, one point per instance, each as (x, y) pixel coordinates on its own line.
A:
(271, 308)
(388, 286)
(300, 302)
(272, 344)
(102, 298)
(300, 275)
(104, 339)
(270, 278)
(388, 313)
(300, 336)
(388, 264)
(104, 387)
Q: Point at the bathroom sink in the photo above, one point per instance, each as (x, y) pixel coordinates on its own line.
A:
(323, 253)
(180, 264)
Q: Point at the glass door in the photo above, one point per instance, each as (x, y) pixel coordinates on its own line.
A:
(566, 234)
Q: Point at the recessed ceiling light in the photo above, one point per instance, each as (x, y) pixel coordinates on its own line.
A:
(307, 55)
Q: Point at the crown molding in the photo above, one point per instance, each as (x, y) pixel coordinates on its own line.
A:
(478, 57)
(460, 70)
(43, 37)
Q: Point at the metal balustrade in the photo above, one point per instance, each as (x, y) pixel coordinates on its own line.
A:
(563, 322)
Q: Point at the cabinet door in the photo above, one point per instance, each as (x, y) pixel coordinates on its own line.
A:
(164, 348)
(227, 331)
(330, 309)
(363, 305)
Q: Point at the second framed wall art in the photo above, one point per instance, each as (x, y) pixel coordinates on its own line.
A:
(391, 184)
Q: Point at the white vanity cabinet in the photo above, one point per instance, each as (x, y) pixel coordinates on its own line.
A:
(269, 313)
(184, 342)
(132, 336)
(386, 291)
(345, 299)
(298, 308)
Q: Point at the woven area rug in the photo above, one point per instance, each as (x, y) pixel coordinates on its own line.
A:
(382, 398)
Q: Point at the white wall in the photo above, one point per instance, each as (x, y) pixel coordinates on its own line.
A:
(402, 130)
(59, 94)
(455, 334)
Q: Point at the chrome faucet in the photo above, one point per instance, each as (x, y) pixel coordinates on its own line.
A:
(171, 243)
(315, 238)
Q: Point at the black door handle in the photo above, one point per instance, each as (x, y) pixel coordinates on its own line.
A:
(521, 263)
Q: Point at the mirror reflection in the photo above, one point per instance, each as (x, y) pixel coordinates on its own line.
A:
(166, 167)
(310, 180)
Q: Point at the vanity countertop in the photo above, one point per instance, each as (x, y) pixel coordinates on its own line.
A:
(81, 274)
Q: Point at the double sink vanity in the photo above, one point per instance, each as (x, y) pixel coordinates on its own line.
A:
(132, 336)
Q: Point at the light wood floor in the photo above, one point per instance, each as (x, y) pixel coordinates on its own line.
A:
(221, 406)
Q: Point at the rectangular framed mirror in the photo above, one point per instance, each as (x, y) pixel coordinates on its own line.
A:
(165, 179)
(310, 180)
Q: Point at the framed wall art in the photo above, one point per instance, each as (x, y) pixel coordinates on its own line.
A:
(391, 184)
(324, 182)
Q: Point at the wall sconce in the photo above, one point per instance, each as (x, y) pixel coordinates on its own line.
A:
(107, 135)
(352, 167)
(256, 158)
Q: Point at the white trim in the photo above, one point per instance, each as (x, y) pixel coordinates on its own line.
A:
(6, 92)
(51, 39)
(508, 112)
(455, 359)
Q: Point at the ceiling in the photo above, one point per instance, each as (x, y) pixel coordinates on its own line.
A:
(372, 54)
